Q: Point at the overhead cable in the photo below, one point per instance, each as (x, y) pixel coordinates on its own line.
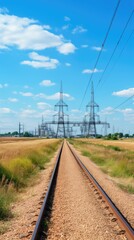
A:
(121, 52)
(117, 44)
(124, 102)
(102, 47)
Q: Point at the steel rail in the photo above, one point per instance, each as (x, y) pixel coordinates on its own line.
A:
(38, 227)
(122, 221)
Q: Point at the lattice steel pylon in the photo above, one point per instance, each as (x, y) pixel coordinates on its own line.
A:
(61, 130)
(92, 116)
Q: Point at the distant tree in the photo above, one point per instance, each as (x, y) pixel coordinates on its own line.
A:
(120, 135)
(27, 134)
(126, 135)
(15, 133)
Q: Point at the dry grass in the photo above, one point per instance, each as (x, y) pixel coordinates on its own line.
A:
(19, 163)
(14, 147)
(124, 143)
(113, 159)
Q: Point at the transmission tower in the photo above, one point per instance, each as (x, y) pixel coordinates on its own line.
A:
(92, 116)
(61, 130)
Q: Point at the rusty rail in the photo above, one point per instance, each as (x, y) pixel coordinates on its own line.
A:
(38, 228)
(126, 228)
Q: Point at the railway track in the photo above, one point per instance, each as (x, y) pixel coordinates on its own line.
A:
(40, 231)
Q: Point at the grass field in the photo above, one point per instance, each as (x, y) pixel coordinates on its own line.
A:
(116, 158)
(20, 161)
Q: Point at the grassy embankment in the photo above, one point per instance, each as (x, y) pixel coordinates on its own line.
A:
(19, 163)
(116, 161)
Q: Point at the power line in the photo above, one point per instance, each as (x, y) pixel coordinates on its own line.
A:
(123, 102)
(121, 52)
(117, 44)
(102, 47)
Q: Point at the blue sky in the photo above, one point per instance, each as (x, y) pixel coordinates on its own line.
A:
(45, 42)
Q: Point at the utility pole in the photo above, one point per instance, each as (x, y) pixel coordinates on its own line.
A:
(61, 131)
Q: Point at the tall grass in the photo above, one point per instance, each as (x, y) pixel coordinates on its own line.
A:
(113, 160)
(17, 171)
(7, 196)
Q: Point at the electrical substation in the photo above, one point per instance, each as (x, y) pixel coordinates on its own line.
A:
(61, 126)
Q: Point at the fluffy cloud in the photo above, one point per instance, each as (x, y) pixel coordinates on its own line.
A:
(84, 46)
(55, 96)
(75, 111)
(79, 29)
(28, 113)
(68, 64)
(65, 27)
(5, 110)
(91, 71)
(26, 94)
(47, 83)
(128, 114)
(124, 93)
(39, 61)
(66, 48)
(98, 49)
(107, 111)
(13, 99)
(42, 105)
(25, 33)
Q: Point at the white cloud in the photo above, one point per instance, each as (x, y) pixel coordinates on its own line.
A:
(3, 85)
(26, 94)
(36, 64)
(68, 64)
(55, 96)
(65, 27)
(124, 93)
(75, 111)
(47, 83)
(84, 46)
(42, 105)
(79, 29)
(127, 111)
(25, 34)
(67, 48)
(40, 61)
(66, 19)
(38, 57)
(28, 113)
(13, 99)
(128, 114)
(5, 110)
(91, 71)
(107, 111)
(46, 27)
(98, 49)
